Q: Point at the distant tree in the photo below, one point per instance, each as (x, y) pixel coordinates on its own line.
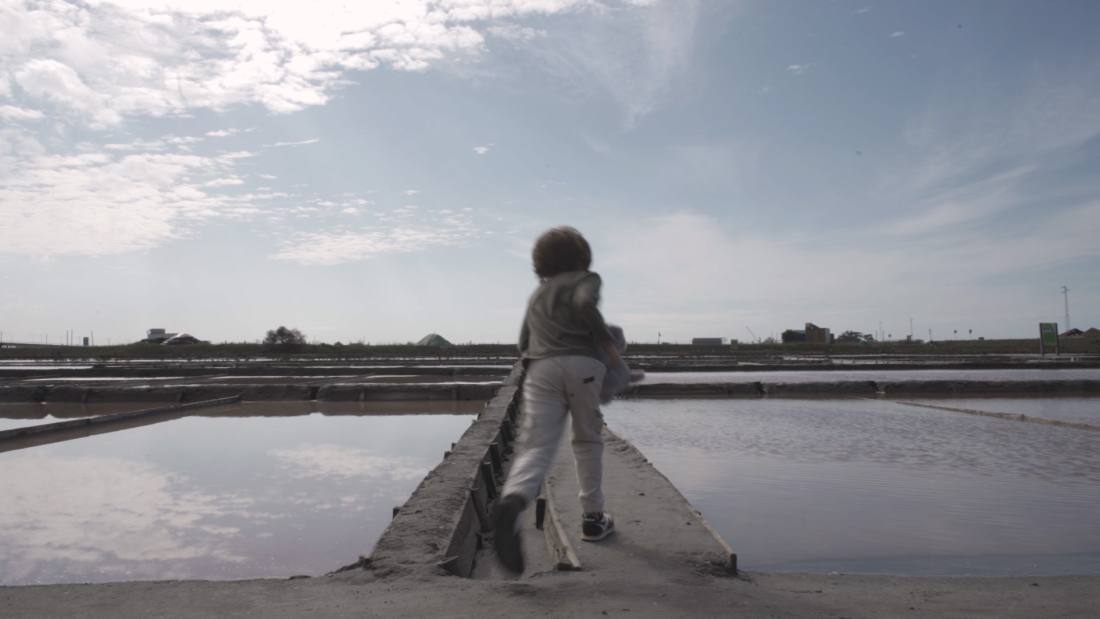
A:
(851, 337)
(284, 339)
(870, 339)
(788, 336)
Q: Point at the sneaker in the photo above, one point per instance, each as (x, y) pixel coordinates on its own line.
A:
(506, 539)
(594, 528)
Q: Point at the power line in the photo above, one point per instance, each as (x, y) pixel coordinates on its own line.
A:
(1065, 293)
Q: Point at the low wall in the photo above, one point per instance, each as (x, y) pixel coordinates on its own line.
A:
(441, 524)
(178, 394)
(42, 434)
(865, 388)
(160, 370)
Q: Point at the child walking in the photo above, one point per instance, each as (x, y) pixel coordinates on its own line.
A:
(560, 343)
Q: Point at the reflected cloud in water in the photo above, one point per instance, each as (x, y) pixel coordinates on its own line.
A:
(329, 460)
(212, 497)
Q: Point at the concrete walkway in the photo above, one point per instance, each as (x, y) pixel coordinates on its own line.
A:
(658, 535)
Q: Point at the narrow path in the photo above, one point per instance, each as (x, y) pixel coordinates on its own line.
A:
(658, 535)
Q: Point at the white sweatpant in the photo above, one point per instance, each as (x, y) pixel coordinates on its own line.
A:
(559, 390)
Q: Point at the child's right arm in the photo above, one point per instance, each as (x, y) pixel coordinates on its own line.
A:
(586, 299)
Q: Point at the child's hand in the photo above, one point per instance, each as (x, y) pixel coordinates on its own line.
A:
(613, 353)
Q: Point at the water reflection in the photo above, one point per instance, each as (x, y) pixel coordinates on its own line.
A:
(850, 485)
(216, 497)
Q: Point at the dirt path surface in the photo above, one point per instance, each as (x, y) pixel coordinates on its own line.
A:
(658, 535)
(567, 594)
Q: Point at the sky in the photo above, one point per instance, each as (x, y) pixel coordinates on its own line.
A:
(379, 172)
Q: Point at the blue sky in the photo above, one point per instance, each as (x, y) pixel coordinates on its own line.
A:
(380, 172)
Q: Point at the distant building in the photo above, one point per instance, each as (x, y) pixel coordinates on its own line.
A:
(1073, 333)
(818, 335)
(709, 341)
(156, 336)
(434, 339)
(792, 336)
(1093, 332)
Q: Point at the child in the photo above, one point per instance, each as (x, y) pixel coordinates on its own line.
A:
(561, 340)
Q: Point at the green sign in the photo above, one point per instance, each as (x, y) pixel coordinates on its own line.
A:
(1049, 332)
(1048, 337)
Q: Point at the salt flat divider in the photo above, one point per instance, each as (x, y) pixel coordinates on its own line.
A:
(441, 525)
(1007, 416)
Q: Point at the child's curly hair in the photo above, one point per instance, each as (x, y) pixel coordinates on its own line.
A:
(560, 250)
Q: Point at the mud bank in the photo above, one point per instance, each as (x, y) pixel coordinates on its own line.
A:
(653, 388)
(247, 392)
(352, 392)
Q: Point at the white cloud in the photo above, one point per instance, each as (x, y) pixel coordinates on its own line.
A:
(799, 69)
(972, 160)
(403, 231)
(481, 150)
(52, 80)
(643, 57)
(224, 182)
(861, 11)
(515, 32)
(410, 192)
(100, 62)
(280, 144)
(104, 202)
(897, 33)
(221, 133)
(14, 114)
(960, 205)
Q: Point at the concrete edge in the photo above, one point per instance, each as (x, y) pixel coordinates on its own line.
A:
(730, 554)
(351, 392)
(256, 369)
(440, 526)
(561, 551)
(184, 393)
(359, 392)
(102, 420)
(863, 387)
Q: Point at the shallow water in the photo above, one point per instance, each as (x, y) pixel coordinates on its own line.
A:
(1081, 410)
(874, 486)
(215, 497)
(781, 376)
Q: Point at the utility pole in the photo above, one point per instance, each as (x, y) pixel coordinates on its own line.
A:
(910, 328)
(1065, 293)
